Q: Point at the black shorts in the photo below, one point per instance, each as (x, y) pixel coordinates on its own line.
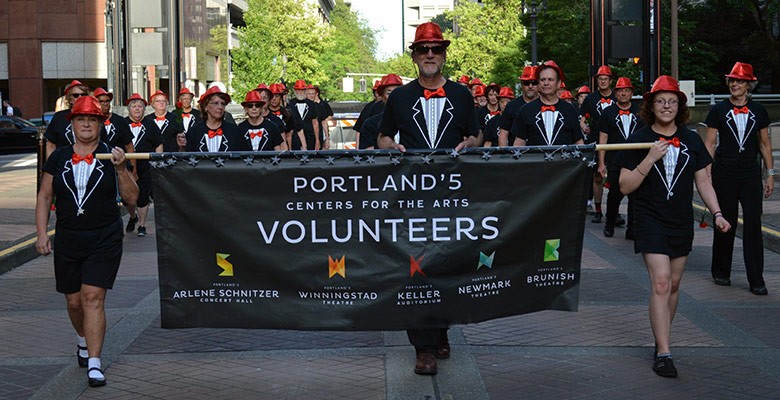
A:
(144, 188)
(87, 257)
(672, 245)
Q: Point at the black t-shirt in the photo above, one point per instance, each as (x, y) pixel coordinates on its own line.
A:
(187, 120)
(92, 207)
(555, 127)
(327, 108)
(167, 129)
(510, 113)
(484, 115)
(439, 122)
(277, 120)
(618, 127)
(263, 137)
(370, 132)
(116, 132)
(305, 111)
(145, 140)
(230, 140)
(59, 130)
(490, 131)
(663, 200)
(288, 123)
(370, 109)
(737, 130)
(592, 108)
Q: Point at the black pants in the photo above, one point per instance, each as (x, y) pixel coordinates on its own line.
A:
(747, 191)
(426, 340)
(614, 197)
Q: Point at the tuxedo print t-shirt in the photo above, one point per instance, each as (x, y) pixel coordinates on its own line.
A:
(738, 129)
(60, 131)
(225, 138)
(188, 119)
(593, 107)
(619, 124)
(484, 115)
(263, 137)
(85, 193)
(490, 131)
(440, 121)
(547, 125)
(168, 127)
(116, 132)
(305, 112)
(664, 199)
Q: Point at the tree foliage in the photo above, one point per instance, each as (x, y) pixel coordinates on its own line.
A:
(488, 43)
(282, 41)
(352, 51)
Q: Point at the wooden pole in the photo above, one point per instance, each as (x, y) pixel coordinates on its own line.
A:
(599, 147)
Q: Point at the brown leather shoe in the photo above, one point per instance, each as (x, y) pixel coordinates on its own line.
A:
(443, 351)
(426, 364)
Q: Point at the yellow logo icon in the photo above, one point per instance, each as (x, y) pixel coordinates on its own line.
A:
(337, 267)
(222, 262)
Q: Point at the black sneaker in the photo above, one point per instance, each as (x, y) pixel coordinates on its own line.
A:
(141, 231)
(609, 231)
(131, 224)
(664, 366)
(597, 217)
(619, 221)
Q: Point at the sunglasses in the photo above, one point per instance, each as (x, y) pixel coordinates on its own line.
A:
(530, 83)
(77, 95)
(421, 50)
(254, 105)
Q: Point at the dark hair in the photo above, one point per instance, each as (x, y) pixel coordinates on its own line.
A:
(646, 111)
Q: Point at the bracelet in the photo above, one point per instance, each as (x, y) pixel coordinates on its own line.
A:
(717, 214)
(640, 171)
(770, 172)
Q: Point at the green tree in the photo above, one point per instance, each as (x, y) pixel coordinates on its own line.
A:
(282, 40)
(351, 50)
(488, 43)
(401, 65)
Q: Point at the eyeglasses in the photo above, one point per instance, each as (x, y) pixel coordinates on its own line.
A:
(254, 105)
(217, 103)
(740, 81)
(77, 95)
(104, 101)
(665, 102)
(530, 83)
(422, 50)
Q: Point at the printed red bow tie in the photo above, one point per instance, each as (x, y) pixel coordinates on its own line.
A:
(624, 112)
(253, 135)
(675, 141)
(185, 115)
(217, 132)
(135, 124)
(159, 118)
(607, 101)
(743, 110)
(434, 93)
(75, 159)
(548, 108)
(495, 112)
(107, 122)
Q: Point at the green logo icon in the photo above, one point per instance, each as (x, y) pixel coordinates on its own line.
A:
(551, 249)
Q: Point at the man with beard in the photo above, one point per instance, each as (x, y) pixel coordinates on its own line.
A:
(530, 87)
(305, 112)
(457, 128)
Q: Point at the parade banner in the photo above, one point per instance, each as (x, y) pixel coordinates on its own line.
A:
(350, 241)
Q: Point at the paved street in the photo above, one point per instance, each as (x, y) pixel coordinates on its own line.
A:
(724, 339)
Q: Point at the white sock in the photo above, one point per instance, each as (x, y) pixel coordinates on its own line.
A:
(94, 362)
(83, 343)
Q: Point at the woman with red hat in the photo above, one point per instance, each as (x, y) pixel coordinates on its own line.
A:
(366, 139)
(259, 133)
(165, 123)
(187, 115)
(491, 130)
(590, 112)
(88, 245)
(374, 107)
(146, 139)
(662, 182)
(59, 132)
(215, 134)
(280, 115)
(491, 109)
(741, 124)
(116, 131)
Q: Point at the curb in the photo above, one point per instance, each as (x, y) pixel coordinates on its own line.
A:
(20, 253)
(771, 236)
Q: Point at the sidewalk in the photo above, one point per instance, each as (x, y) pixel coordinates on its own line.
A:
(724, 340)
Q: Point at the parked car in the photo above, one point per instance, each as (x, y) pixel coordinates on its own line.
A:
(17, 135)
